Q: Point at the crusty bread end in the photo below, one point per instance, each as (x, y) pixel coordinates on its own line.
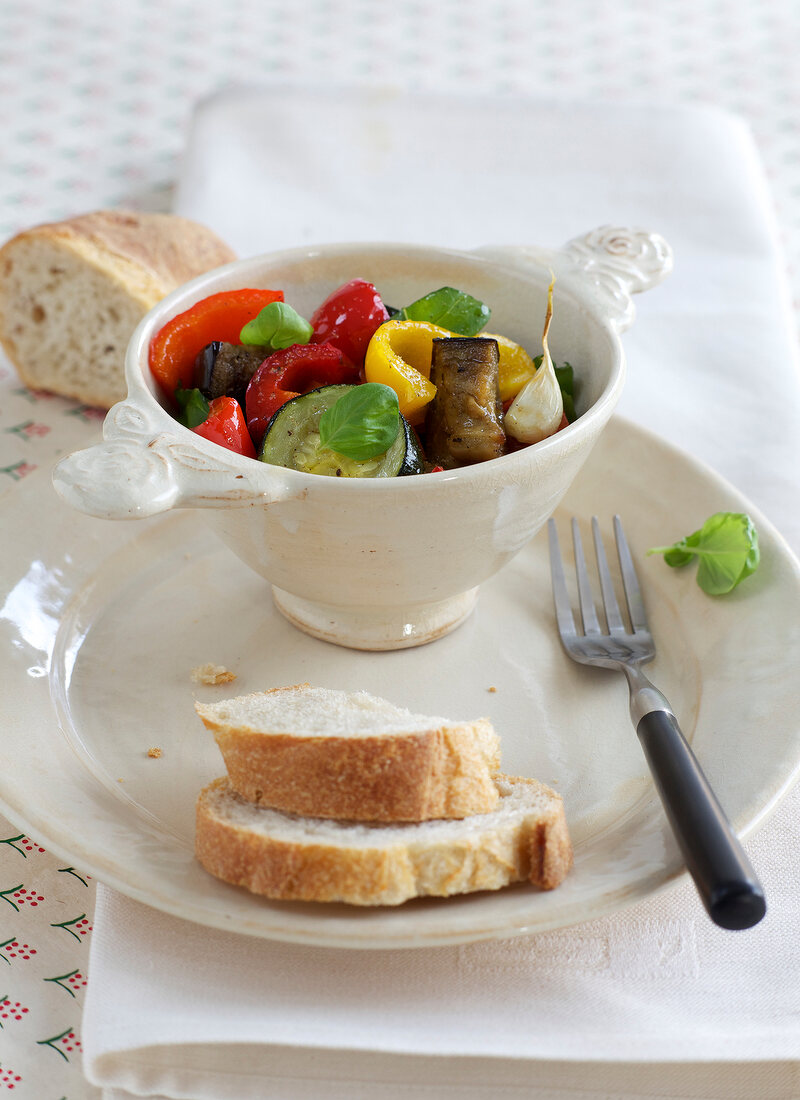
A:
(72, 292)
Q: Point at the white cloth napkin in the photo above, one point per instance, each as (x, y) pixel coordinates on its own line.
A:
(653, 1001)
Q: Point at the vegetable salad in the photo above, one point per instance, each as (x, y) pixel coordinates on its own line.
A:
(359, 389)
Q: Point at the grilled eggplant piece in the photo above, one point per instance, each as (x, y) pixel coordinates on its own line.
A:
(222, 369)
(464, 423)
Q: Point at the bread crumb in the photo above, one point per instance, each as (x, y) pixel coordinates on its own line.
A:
(155, 753)
(212, 674)
(492, 688)
(120, 780)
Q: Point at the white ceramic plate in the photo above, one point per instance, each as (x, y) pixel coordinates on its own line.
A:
(103, 622)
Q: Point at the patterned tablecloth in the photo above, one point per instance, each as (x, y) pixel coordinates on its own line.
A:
(94, 101)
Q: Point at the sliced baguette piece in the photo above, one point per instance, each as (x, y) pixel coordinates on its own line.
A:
(352, 756)
(310, 859)
(72, 292)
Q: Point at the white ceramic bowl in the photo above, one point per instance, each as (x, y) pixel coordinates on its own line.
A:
(381, 563)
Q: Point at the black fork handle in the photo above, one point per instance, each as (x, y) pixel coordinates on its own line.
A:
(725, 880)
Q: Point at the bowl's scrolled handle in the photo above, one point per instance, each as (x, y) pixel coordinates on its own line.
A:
(138, 471)
(616, 261)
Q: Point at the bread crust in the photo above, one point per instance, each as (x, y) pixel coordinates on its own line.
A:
(129, 259)
(404, 778)
(444, 772)
(166, 248)
(536, 849)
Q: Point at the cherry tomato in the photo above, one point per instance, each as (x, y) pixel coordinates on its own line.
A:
(289, 372)
(222, 316)
(225, 425)
(349, 317)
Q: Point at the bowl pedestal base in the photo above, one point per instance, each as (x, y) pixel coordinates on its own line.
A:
(376, 628)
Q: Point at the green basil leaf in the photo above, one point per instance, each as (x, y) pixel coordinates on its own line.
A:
(677, 557)
(194, 408)
(276, 326)
(363, 423)
(448, 308)
(727, 550)
(682, 552)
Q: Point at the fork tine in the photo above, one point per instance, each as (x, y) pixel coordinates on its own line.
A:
(630, 581)
(566, 624)
(588, 613)
(613, 617)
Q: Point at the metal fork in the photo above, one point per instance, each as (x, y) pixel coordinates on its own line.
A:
(725, 880)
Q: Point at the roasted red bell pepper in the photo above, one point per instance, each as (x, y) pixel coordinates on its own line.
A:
(222, 316)
(225, 424)
(348, 318)
(289, 372)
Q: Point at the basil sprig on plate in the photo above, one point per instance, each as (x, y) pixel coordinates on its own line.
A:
(363, 423)
(726, 547)
(276, 326)
(448, 308)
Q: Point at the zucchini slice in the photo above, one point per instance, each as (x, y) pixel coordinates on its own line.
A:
(292, 440)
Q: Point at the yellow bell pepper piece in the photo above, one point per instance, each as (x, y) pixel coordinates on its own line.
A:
(516, 366)
(399, 355)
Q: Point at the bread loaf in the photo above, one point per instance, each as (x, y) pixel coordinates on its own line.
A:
(72, 292)
(352, 756)
(282, 856)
